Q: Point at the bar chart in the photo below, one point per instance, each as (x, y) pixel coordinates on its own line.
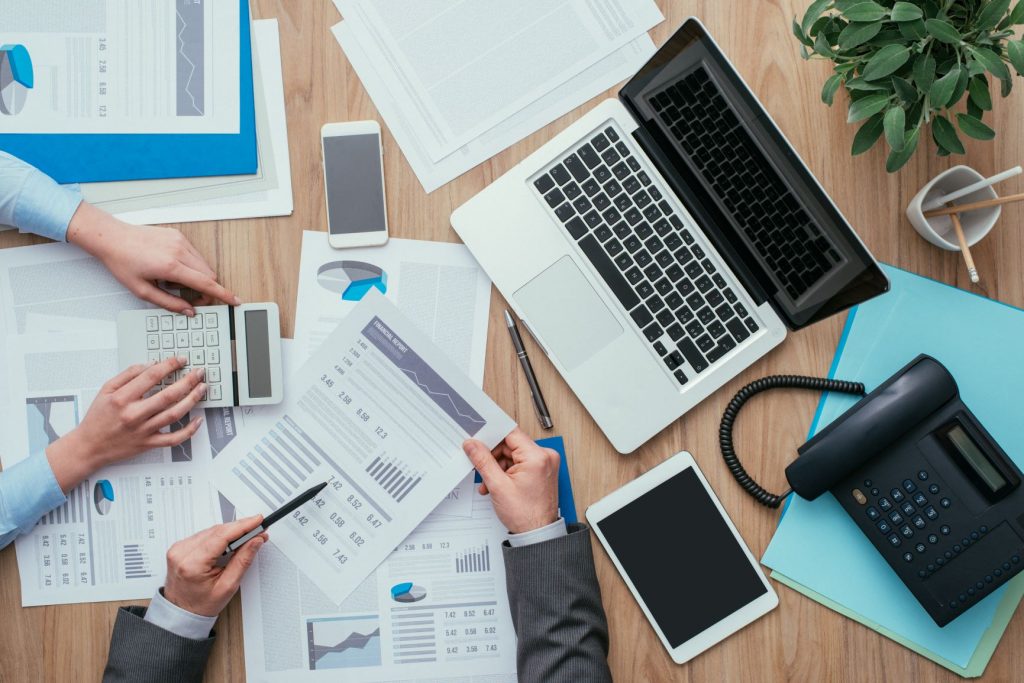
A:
(473, 560)
(279, 464)
(136, 565)
(393, 476)
(73, 511)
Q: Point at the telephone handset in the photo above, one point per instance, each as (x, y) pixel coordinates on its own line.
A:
(921, 477)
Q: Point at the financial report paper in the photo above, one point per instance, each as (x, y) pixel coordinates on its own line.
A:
(380, 414)
(122, 66)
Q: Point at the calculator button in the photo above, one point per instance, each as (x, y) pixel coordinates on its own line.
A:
(196, 322)
(933, 539)
(166, 323)
(895, 517)
(197, 357)
(167, 340)
(909, 486)
(152, 342)
(920, 499)
(884, 526)
(867, 483)
(919, 521)
(873, 513)
(197, 338)
(944, 529)
(182, 340)
(907, 531)
(920, 547)
(211, 319)
(152, 323)
(213, 356)
(897, 495)
(895, 541)
(922, 475)
(214, 392)
(167, 355)
(213, 373)
(875, 492)
(933, 489)
(945, 502)
(153, 357)
(908, 508)
(884, 505)
(931, 513)
(212, 339)
(180, 322)
(908, 557)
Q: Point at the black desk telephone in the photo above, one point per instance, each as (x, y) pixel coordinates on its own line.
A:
(921, 477)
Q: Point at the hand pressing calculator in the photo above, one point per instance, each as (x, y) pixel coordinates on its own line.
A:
(238, 346)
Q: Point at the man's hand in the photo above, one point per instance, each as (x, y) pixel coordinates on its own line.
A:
(139, 256)
(522, 479)
(122, 422)
(194, 581)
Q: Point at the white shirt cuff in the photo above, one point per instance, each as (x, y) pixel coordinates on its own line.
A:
(168, 616)
(546, 533)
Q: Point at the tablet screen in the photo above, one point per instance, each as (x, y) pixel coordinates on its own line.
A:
(682, 557)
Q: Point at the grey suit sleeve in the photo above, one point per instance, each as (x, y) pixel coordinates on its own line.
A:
(141, 652)
(556, 610)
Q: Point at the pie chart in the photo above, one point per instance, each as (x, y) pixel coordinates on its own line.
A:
(352, 279)
(408, 592)
(103, 496)
(15, 78)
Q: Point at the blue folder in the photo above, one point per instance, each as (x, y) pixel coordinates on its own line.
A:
(566, 502)
(816, 543)
(87, 158)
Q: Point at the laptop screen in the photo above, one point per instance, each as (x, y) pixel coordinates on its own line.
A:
(745, 185)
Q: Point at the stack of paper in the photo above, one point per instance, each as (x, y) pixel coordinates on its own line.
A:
(819, 551)
(458, 82)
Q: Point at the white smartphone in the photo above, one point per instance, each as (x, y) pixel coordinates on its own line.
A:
(354, 184)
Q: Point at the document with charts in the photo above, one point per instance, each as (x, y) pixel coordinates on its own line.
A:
(379, 413)
(120, 66)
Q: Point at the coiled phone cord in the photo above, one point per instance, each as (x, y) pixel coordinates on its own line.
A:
(732, 460)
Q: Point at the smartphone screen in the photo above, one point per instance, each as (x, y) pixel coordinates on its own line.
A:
(355, 184)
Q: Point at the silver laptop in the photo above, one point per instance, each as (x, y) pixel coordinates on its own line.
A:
(665, 241)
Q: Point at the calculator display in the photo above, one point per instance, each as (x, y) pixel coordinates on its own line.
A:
(975, 459)
(257, 353)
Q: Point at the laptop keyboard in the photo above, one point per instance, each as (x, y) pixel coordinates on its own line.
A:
(621, 221)
(790, 243)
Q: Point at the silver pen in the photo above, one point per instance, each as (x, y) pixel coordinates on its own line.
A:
(531, 378)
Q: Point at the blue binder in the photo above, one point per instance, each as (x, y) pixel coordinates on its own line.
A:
(82, 158)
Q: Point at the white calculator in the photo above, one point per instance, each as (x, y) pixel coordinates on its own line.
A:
(239, 346)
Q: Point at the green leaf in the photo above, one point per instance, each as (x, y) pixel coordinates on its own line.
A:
(812, 14)
(991, 13)
(942, 89)
(860, 85)
(894, 122)
(828, 92)
(1017, 15)
(885, 62)
(1015, 51)
(798, 32)
(1005, 87)
(869, 106)
(857, 34)
(960, 89)
(942, 31)
(924, 71)
(945, 135)
(868, 135)
(974, 127)
(905, 90)
(822, 47)
(991, 61)
(913, 30)
(980, 94)
(865, 11)
(904, 11)
(974, 110)
(896, 160)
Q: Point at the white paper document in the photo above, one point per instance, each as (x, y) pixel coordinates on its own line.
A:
(435, 609)
(595, 79)
(123, 66)
(468, 65)
(438, 285)
(380, 413)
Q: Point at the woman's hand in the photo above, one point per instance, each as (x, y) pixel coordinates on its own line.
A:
(139, 256)
(122, 422)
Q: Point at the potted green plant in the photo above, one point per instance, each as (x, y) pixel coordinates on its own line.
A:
(906, 65)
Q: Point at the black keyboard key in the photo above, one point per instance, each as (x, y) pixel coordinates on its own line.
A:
(653, 272)
(656, 195)
(620, 170)
(643, 258)
(663, 228)
(602, 174)
(705, 315)
(675, 331)
(632, 185)
(642, 199)
(724, 312)
(741, 310)
(684, 256)
(694, 328)
(602, 202)
(737, 329)
(687, 236)
(633, 163)
(610, 215)
(603, 233)
(607, 270)
(719, 281)
(591, 187)
(560, 174)
(644, 178)
(576, 168)
(613, 247)
(544, 183)
(643, 231)
(600, 142)
(751, 325)
(572, 191)
(582, 204)
(612, 135)
(693, 269)
(554, 198)
(589, 156)
(705, 343)
(621, 230)
(664, 259)
(654, 243)
(665, 317)
(674, 271)
(564, 212)
(644, 289)
(698, 252)
(695, 301)
(672, 240)
(684, 315)
(716, 353)
(633, 216)
(632, 243)
(685, 287)
(664, 287)
(652, 332)
(730, 296)
(673, 360)
(592, 219)
(641, 316)
(634, 275)
(674, 300)
(708, 265)
(655, 303)
(623, 261)
(715, 298)
(623, 202)
(613, 188)
(680, 377)
(576, 227)
(660, 348)
(703, 284)
(610, 156)
(692, 355)
(716, 328)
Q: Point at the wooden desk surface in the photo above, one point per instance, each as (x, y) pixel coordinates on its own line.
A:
(800, 640)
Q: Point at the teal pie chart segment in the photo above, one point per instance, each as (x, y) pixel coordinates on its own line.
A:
(351, 280)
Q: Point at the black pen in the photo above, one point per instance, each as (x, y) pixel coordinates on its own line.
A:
(538, 399)
(281, 512)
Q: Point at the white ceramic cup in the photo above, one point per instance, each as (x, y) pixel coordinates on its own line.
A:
(939, 230)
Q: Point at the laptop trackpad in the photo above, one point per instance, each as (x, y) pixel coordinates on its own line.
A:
(562, 308)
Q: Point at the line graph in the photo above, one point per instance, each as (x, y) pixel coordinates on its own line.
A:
(343, 642)
(191, 53)
(476, 420)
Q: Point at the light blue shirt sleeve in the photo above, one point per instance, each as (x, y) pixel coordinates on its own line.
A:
(28, 490)
(32, 202)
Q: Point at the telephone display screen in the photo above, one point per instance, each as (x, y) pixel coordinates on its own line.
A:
(355, 184)
(975, 459)
(685, 562)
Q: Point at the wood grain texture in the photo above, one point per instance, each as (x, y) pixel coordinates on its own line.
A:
(259, 259)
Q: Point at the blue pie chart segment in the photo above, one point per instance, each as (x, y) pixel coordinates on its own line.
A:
(16, 78)
(351, 280)
(407, 592)
(103, 496)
